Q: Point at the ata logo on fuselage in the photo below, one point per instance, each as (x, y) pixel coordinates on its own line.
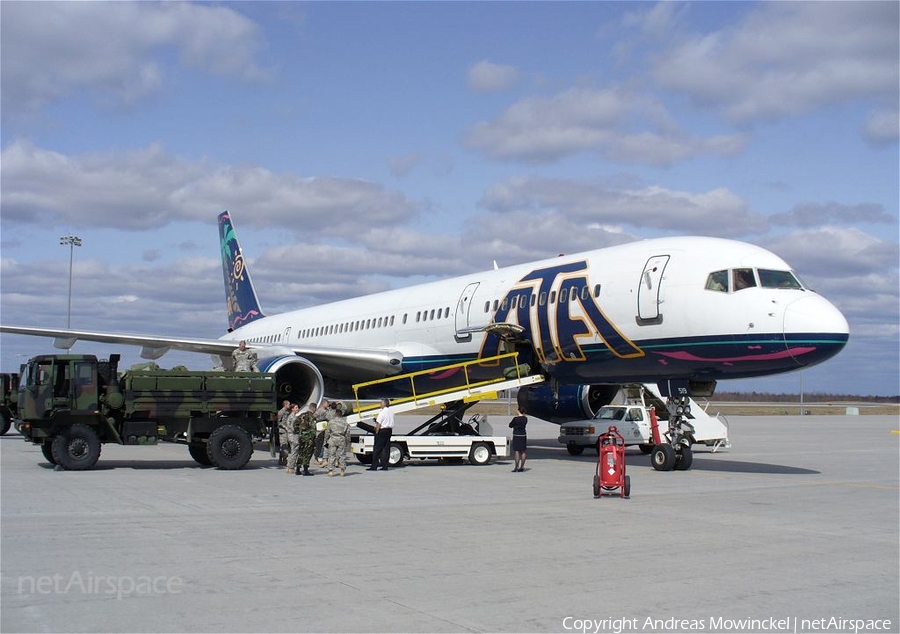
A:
(556, 308)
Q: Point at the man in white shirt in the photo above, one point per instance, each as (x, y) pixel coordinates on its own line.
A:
(384, 427)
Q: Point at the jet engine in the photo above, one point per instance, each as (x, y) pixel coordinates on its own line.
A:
(570, 402)
(297, 379)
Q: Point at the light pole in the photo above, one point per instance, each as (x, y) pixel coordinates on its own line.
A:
(72, 241)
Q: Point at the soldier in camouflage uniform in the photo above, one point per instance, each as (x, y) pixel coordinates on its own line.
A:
(338, 439)
(244, 359)
(283, 432)
(291, 423)
(305, 428)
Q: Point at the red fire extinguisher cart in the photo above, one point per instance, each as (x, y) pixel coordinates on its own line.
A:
(610, 474)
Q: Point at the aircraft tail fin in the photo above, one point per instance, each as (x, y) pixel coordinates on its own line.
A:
(240, 296)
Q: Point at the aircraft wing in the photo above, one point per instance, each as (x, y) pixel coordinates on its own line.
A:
(336, 362)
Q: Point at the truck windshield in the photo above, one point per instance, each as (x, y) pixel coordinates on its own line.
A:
(610, 413)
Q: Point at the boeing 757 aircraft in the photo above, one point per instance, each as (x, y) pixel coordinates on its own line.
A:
(683, 312)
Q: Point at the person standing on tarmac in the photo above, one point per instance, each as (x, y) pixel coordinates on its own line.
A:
(384, 427)
(281, 429)
(324, 414)
(519, 439)
(291, 424)
(338, 441)
(305, 426)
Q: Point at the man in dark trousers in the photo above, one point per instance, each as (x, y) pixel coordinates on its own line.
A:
(384, 427)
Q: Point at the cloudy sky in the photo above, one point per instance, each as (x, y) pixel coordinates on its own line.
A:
(367, 146)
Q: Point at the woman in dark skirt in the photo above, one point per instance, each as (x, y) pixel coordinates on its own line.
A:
(519, 440)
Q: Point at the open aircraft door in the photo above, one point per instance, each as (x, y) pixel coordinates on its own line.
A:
(648, 290)
(463, 306)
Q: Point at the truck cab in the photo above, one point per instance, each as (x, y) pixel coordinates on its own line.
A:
(632, 421)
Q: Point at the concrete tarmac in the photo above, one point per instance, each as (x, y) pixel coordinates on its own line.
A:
(795, 528)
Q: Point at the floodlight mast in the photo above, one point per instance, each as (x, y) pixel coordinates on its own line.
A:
(72, 241)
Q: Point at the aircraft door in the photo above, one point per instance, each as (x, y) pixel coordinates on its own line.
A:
(463, 306)
(287, 335)
(648, 290)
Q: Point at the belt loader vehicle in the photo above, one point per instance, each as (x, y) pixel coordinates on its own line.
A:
(71, 404)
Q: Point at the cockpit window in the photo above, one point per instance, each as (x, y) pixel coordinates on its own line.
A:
(778, 279)
(717, 281)
(743, 278)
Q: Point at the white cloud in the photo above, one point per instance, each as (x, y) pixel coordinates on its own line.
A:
(486, 76)
(718, 212)
(116, 49)
(615, 122)
(149, 188)
(882, 127)
(789, 58)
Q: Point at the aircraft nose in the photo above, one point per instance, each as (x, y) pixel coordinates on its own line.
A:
(814, 329)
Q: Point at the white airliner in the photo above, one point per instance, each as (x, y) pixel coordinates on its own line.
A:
(683, 312)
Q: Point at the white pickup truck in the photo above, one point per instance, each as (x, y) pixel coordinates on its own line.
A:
(633, 422)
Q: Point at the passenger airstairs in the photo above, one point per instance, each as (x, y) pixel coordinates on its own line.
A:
(709, 430)
(502, 372)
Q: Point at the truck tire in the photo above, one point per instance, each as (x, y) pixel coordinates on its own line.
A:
(229, 447)
(663, 457)
(76, 448)
(480, 453)
(364, 458)
(200, 454)
(684, 459)
(47, 450)
(5, 421)
(575, 450)
(396, 454)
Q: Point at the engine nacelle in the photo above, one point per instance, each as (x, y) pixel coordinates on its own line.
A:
(571, 402)
(297, 379)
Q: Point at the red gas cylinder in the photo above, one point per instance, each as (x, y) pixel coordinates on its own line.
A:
(611, 465)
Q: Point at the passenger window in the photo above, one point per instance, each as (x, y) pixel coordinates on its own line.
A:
(717, 281)
(552, 297)
(542, 299)
(563, 296)
(487, 306)
(585, 292)
(533, 299)
(743, 278)
(596, 290)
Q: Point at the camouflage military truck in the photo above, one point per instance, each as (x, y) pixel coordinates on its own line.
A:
(9, 392)
(71, 404)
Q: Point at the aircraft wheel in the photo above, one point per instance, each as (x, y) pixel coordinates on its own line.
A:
(684, 459)
(575, 450)
(663, 457)
(229, 447)
(76, 448)
(480, 454)
(395, 457)
(627, 487)
(47, 450)
(200, 454)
